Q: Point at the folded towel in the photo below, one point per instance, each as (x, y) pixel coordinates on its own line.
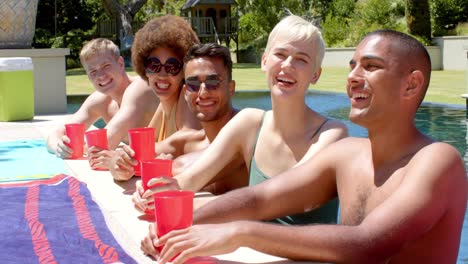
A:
(54, 221)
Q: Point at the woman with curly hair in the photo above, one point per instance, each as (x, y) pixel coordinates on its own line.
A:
(157, 56)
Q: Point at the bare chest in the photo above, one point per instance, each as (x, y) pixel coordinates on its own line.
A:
(361, 193)
(110, 111)
(273, 155)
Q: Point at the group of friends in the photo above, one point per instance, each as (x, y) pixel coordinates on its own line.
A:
(278, 176)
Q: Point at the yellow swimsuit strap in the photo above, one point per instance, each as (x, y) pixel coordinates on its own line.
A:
(162, 130)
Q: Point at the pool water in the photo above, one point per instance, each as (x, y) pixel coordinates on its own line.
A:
(445, 123)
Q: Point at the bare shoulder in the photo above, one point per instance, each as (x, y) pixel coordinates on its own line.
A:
(138, 85)
(439, 160)
(96, 101)
(138, 82)
(336, 124)
(248, 117)
(333, 130)
(139, 93)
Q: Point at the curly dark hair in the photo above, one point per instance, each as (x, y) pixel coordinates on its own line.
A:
(168, 31)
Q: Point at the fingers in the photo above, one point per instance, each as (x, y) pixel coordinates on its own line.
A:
(62, 150)
(125, 160)
(165, 156)
(127, 149)
(148, 248)
(122, 175)
(176, 242)
(166, 180)
(138, 202)
(147, 244)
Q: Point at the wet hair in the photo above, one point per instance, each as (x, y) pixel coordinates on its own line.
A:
(168, 31)
(211, 50)
(412, 52)
(296, 28)
(98, 46)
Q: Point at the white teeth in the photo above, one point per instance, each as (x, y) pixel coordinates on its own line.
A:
(163, 85)
(360, 96)
(284, 79)
(104, 83)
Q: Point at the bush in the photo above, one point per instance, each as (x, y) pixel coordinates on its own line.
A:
(335, 30)
(446, 15)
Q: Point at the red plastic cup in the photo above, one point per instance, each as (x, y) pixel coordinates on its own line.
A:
(75, 132)
(173, 210)
(142, 142)
(97, 138)
(155, 168)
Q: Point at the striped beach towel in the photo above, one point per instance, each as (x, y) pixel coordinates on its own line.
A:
(54, 221)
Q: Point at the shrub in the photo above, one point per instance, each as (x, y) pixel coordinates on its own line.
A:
(447, 14)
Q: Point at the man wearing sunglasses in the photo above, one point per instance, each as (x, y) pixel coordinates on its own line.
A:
(122, 101)
(208, 90)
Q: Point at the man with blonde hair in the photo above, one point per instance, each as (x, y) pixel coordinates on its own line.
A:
(122, 101)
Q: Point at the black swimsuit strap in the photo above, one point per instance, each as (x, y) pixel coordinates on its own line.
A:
(320, 127)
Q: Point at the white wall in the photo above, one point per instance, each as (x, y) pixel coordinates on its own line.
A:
(339, 57)
(454, 55)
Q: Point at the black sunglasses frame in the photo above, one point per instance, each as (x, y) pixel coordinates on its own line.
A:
(172, 66)
(194, 85)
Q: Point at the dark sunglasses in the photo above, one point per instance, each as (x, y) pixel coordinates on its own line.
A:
(194, 84)
(154, 65)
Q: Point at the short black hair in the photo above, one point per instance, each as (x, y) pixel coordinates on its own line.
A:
(414, 52)
(211, 50)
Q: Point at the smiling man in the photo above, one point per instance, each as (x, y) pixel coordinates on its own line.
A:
(122, 101)
(208, 91)
(402, 195)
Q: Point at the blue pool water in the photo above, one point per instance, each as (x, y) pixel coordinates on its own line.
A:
(441, 122)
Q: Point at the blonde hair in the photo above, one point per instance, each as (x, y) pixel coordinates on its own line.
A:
(99, 46)
(295, 28)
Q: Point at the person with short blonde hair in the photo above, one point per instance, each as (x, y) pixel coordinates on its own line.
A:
(97, 47)
(121, 100)
(296, 28)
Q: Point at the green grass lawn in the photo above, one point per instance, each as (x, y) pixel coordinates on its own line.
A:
(446, 86)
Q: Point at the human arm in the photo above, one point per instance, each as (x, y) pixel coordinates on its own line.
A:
(138, 105)
(90, 111)
(428, 193)
(235, 139)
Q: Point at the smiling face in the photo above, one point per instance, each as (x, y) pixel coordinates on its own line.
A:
(208, 105)
(105, 72)
(166, 86)
(376, 81)
(290, 66)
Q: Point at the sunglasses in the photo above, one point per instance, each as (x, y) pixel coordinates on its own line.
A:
(154, 65)
(194, 84)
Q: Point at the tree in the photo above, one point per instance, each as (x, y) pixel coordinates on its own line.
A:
(418, 18)
(123, 14)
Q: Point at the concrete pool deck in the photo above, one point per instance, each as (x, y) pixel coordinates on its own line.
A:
(114, 198)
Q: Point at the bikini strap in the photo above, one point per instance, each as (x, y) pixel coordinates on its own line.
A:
(258, 133)
(320, 127)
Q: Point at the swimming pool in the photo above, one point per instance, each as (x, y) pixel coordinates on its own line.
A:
(442, 122)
